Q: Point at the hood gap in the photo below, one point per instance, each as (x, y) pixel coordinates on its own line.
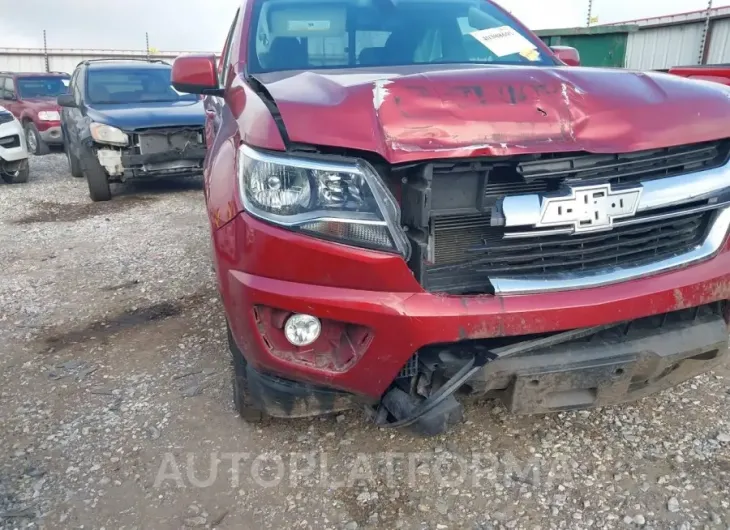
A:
(258, 87)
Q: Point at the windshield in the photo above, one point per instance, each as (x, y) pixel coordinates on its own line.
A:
(309, 35)
(132, 85)
(42, 87)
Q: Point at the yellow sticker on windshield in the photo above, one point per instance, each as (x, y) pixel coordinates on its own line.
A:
(530, 54)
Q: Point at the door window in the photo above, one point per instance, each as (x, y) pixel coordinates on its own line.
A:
(9, 92)
(76, 86)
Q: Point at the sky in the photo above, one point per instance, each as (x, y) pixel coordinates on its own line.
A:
(195, 25)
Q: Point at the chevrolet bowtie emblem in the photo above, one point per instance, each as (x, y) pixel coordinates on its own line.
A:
(589, 208)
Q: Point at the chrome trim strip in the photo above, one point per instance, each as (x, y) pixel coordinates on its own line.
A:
(525, 210)
(620, 222)
(670, 191)
(670, 215)
(543, 233)
(712, 244)
(522, 210)
(344, 220)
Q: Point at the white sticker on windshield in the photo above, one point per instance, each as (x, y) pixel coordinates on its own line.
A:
(66, 82)
(503, 41)
(308, 25)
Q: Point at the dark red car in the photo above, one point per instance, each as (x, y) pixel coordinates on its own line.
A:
(31, 97)
(717, 73)
(417, 201)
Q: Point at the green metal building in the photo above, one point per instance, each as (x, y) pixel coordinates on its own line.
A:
(598, 45)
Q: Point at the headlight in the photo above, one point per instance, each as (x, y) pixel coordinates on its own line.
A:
(344, 202)
(106, 134)
(49, 115)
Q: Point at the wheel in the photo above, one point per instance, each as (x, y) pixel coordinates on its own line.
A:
(96, 178)
(74, 165)
(36, 145)
(21, 174)
(241, 397)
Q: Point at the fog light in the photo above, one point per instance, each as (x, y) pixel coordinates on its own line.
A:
(302, 330)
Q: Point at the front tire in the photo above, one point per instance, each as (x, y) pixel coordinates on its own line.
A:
(74, 165)
(241, 396)
(20, 176)
(96, 178)
(36, 145)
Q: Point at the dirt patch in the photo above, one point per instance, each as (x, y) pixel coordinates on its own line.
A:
(55, 341)
(101, 329)
(56, 212)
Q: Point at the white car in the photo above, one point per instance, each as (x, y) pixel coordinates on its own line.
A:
(14, 166)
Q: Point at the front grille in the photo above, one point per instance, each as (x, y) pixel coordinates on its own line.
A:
(449, 207)
(545, 172)
(9, 142)
(468, 250)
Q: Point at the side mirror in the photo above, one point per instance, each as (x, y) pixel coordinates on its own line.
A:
(11, 97)
(66, 100)
(567, 55)
(196, 74)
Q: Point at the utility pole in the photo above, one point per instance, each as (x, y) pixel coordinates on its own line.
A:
(705, 33)
(147, 45)
(590, 13)
(45, 52)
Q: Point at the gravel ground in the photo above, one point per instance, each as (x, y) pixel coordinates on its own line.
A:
(115, 406)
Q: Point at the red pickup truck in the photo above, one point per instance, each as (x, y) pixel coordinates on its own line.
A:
(717, 73)
(417, 202)
(31, 97)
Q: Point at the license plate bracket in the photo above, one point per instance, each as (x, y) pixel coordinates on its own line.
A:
(572, 387)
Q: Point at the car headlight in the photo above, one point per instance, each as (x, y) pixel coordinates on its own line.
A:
(106, 134)
(49, 115)
(344, 202)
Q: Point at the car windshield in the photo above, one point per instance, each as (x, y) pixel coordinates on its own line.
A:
(309, 34)
(42, 87)
(132, 85)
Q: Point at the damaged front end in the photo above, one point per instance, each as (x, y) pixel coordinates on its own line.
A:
(577, 369)
(152, 153)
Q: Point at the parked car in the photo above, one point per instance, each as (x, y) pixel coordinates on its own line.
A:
(717, 73)
(31, 97)
(417, 201)
(123, 120)
(14, 166)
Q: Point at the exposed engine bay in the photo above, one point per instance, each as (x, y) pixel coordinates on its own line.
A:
(157, 152)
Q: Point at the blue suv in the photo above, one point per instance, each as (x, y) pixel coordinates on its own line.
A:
(124, 120)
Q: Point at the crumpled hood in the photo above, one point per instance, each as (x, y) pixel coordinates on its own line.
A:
(129, 117)
(497, 110)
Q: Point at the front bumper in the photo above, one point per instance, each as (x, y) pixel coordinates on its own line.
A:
(12, 142)
(263, 266)
(52, 135)
(619, 365)
(122, 165)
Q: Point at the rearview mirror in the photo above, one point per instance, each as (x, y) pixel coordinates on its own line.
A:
(567, 55)
(196, 74)
(66, 100)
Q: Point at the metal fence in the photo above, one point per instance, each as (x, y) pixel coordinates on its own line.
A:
(65, 60)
